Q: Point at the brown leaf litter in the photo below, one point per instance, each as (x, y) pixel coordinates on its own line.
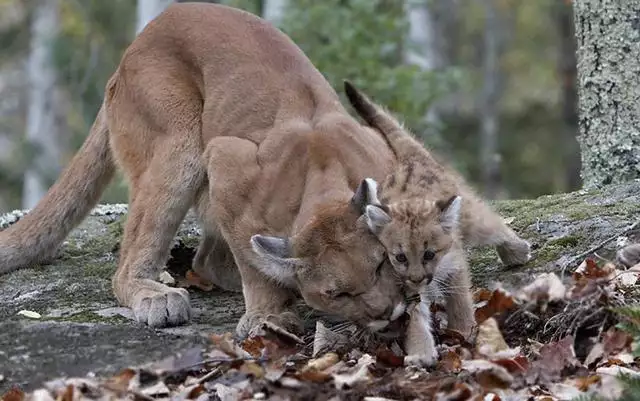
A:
(547, 341)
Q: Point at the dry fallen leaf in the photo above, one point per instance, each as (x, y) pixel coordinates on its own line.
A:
(583, 383)
(324, 362)
(615, 340)
(489, 340)
(166, 278)
(499, 302)
(555, 357)
(488, 374)
(120, 382)
(14, 394)
(193, 279)
(326, 339)
(450, 362)
(385, 356)
(596, 353)
(546, 287)
(358, 373)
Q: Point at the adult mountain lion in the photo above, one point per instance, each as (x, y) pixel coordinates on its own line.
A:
(283, 158)
(214, 107)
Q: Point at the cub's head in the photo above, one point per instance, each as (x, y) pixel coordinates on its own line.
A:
(336, 264)
(417, 234)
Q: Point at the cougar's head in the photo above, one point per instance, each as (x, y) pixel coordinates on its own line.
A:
(337, 264)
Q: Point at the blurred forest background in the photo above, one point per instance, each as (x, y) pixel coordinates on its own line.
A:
(489, 84)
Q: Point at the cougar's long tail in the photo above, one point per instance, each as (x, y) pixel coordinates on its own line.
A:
(36, 237)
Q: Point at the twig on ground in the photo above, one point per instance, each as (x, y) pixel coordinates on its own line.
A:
(588, 252)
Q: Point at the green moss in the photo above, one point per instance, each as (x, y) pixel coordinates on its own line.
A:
(116, 228)
(90, 317)
(568, 241)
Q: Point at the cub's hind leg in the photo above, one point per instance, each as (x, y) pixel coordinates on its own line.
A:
(482, 226)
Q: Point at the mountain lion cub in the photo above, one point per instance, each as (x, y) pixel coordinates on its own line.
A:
(427, 210)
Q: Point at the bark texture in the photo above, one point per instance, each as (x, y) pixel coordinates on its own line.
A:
(608, 35)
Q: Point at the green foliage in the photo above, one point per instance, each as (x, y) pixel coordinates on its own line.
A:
(343, 40)
(93, 35)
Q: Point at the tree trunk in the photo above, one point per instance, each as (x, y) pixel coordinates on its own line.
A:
(563, 13)
(273, 10)
(608, 35)
(491, 92)
(43, 132)
(423, 49)
(148, 10)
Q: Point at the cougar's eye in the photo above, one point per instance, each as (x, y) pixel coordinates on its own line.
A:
(401, 258)
(428, 255)
(335, 294)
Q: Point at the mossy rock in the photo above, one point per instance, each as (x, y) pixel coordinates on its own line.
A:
(83, 329)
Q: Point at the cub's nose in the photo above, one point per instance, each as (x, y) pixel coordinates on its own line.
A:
(418, 279)
(428, 277)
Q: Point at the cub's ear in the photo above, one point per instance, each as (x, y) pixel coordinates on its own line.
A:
(450, 212)
(366, 194)
(275, 259)
(377, 218)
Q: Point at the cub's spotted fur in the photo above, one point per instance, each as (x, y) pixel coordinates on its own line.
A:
(428, 212)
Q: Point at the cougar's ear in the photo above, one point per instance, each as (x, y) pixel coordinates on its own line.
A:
(275, 259)
(377, 218)
(450, 212)
(366, 194)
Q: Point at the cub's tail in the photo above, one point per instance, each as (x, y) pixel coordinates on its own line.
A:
(36, 237)
(400, 140)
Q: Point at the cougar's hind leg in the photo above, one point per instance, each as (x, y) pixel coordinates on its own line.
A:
(214, 260)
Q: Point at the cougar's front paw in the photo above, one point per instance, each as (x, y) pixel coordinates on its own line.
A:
(158, 305)
(515, 253)
(422, 360)
(251, 323)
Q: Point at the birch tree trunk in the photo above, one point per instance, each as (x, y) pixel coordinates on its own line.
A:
(43, 132)
(422, 49)
(273, 10)
(148, 10)
(490, 96)
(608, 35)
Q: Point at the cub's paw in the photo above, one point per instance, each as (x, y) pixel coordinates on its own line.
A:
(251, 323)
(158, 305)
(515, 252)
(421, 361)
(629, 255)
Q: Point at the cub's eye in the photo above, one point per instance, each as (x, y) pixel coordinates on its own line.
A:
(428, 255)
(401, 258)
